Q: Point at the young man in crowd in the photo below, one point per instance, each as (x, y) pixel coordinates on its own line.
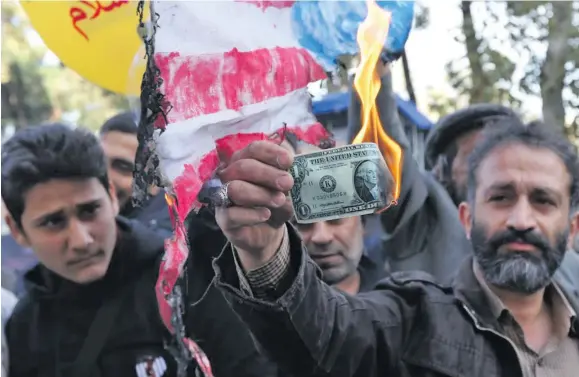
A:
(511, 311)
(118, 137)
(91, 305)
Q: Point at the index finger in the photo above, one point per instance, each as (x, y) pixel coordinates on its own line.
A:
(266, 152)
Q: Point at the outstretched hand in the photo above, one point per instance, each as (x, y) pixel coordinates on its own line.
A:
(258, 183)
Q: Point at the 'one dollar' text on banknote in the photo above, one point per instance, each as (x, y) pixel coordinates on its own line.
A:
(352, 180)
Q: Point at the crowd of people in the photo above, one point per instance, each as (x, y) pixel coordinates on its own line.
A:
(476, 274)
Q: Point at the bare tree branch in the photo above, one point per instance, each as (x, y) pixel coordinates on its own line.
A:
(553, 69)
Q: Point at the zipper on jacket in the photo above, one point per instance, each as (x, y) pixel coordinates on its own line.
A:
(482, 328)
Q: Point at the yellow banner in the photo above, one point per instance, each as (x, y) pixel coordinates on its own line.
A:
(97, 39)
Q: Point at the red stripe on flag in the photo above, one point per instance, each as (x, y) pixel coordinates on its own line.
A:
(264, 4)
(187, 185)
(198, 85)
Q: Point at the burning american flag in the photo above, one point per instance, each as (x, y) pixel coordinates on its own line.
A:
(222, 74)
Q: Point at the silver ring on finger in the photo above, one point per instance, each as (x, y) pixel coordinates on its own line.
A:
(221, 197)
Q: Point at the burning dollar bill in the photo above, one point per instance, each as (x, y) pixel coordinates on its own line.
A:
(352, 180)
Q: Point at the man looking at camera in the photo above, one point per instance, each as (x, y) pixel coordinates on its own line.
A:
(91, 306)
(511, 311)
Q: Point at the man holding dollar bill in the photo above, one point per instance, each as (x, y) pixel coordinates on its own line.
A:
(511, 311)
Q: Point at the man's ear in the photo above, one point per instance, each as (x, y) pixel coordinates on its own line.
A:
(114, 198)
(465, 215)
(16, 231)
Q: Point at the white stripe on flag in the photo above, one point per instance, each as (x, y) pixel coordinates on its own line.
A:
(187, 26)
(174, 146)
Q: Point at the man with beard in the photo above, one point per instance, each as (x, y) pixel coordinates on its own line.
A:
(509, 311)
(118, 137)
(423, 231)
(337, 247)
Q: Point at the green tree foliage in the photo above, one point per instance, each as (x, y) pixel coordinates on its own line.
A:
(518, 48)
(34, 92)
(483, 74)
(24, 96)
(554, 76)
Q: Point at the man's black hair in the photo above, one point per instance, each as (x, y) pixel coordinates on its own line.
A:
(38, 154)
(450, 127)
(441, 145)
(535, 135)
(123, 122)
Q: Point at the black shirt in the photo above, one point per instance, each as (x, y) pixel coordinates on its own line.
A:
(50, 324)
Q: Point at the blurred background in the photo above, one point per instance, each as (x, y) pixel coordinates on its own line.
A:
(38, 88)
(521, 53)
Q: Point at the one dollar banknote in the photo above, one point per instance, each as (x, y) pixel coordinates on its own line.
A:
(351, 180)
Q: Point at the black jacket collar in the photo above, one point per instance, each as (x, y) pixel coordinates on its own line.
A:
(370, 273)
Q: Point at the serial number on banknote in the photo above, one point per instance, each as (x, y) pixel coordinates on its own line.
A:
(351, 180)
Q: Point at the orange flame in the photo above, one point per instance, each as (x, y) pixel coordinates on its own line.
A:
(371, 36)
(172, 204)
(170, 201)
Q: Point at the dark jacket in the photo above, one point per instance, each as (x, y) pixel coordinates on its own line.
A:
(216, 328)
(409, 326)
(50, 324)
(204, 234)
(371, 272)
(154, 213)
(423, 231)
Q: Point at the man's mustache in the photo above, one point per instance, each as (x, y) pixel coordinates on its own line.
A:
(523, 236)
(320, 251)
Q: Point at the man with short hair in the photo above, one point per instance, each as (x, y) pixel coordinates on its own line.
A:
(453, 138)
(511, 311)
(337, 246)
(423, 232)
(91, 305)
(118, 137)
